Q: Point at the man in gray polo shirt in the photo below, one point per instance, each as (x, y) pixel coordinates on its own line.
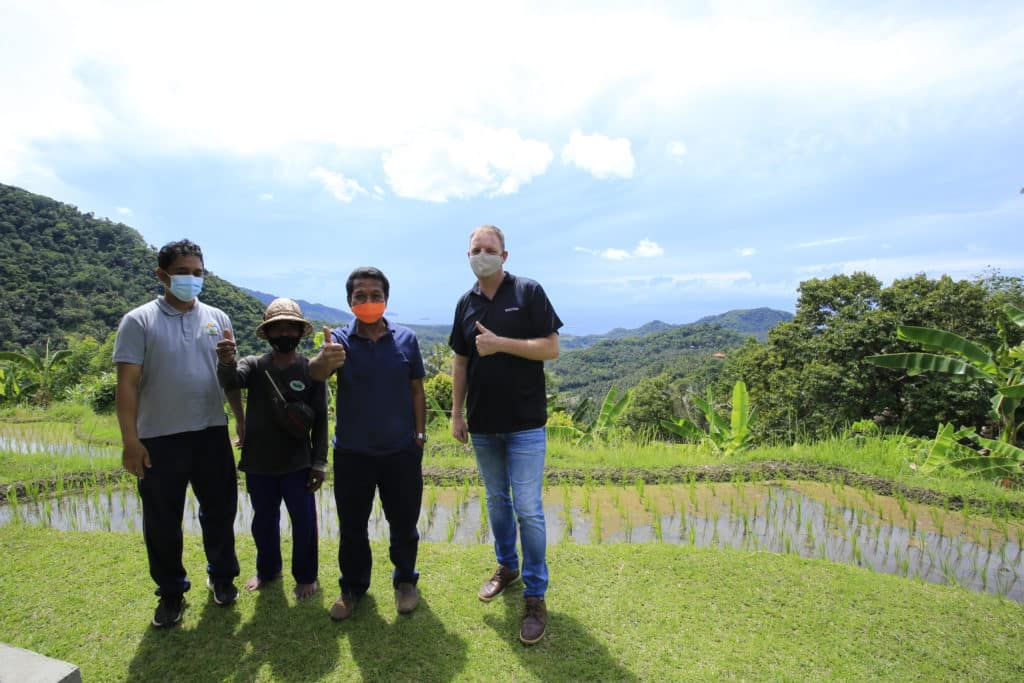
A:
(170, 408)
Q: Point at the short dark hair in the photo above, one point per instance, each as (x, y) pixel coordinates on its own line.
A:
(171, 251)
(366, 273)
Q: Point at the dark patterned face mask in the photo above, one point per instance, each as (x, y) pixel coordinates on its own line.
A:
(284, 344)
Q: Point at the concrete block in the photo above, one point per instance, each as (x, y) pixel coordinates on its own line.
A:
(24, 666)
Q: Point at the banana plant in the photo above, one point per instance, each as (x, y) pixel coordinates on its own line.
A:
(39, 366)
(965, 452)
(612, 409)
(962, 359)
(725, 436)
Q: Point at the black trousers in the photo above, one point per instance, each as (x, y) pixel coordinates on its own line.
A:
(204, 459)
(399, 478)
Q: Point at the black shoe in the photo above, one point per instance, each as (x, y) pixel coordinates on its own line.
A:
(168, 612)
(224, 592)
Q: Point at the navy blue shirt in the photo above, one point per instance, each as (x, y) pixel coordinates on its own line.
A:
(504, 393)
(375, 413)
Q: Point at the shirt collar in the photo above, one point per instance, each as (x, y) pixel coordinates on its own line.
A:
(168, 309)
(352, 331)
(509, 277)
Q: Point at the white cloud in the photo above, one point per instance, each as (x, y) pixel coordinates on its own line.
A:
(675, 279)
(124, 211)
(601, 156)
(266, 197)
(114, 74)
(821, 243)
(645, 248)
(677, 149)
(437, 167)
(343, 189)
(746, 251)
(935, 265)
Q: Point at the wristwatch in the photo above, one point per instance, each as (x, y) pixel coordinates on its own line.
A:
(421, 436)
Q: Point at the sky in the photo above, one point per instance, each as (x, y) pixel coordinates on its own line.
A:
(646, 160)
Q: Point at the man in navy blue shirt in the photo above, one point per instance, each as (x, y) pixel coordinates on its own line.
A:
(378, 438)
(504, 330)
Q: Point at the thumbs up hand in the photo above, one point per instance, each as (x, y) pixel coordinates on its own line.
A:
(332, 354)
(487, 342)
(226, 348)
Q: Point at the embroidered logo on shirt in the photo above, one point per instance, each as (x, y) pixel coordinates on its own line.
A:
(512, 309)
(212, 329)
(296, 385)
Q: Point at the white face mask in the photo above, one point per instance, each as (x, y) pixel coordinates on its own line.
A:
(485, 265)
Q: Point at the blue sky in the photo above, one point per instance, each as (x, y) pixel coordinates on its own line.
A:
(646, 160)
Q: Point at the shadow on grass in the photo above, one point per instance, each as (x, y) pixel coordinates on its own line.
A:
(290, 640)
(567, 651)
(412, 647)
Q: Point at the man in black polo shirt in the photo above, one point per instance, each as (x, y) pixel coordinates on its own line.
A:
(504, 330)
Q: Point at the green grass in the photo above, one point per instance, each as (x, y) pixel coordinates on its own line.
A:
(617, 613)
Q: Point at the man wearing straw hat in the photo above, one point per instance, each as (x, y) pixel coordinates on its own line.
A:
(284, 455)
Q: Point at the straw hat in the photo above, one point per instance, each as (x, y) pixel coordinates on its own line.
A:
(283, 309)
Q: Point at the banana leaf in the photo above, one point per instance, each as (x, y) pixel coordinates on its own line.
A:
(1015, 314)
(947, 342)
(740, 409)
(916, 363)
(1016, 391)
(685, 429)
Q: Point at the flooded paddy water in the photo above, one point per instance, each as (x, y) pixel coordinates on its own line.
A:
(811, 519)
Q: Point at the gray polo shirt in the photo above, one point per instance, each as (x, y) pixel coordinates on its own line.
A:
(179, 391)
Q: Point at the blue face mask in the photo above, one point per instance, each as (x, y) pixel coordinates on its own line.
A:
(186, 287)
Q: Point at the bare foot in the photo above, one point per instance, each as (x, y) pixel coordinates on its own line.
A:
(305, 590)
(256, 583)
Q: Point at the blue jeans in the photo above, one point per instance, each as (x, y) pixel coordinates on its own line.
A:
(513, 463)
(266, 492)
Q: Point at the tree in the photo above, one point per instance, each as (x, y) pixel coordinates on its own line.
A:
(810, 378)
(652, 403)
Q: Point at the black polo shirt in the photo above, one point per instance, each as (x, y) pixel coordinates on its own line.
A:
(505, 393)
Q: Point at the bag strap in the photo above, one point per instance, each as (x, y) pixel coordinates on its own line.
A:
(277, 390)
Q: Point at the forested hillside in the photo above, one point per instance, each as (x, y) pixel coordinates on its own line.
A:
(755, 322)
(70, 273)
(679, 351)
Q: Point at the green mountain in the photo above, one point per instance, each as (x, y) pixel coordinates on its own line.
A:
(682, 351)
(68, 272)
(754, 322)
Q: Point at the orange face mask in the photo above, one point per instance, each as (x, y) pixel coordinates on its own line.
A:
(369, 313)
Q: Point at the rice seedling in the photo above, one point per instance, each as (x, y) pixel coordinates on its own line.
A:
(656, 527)
(596, 529)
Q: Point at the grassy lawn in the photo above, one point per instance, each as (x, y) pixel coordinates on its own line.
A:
(617, 612)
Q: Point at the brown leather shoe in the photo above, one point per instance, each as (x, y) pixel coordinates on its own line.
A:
(407, 598)
(535, 621)
(344, 606)
(497, 583)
